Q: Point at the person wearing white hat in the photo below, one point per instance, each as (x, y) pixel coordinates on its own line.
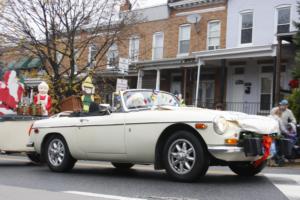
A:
(286, 115)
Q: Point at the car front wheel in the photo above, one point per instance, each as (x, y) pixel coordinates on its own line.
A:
(57, 154)
(246, 168)
(184, 157)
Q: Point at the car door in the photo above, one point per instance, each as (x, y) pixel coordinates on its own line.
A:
(102, 134)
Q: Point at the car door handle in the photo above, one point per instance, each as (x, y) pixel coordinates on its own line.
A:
(83, 120)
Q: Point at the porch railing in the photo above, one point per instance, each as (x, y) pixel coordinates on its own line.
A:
(254, 108)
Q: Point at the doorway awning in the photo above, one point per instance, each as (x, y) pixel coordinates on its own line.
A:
(11, 65)
(166, 63)
(34, 63)
(22, 63)
(235, 53)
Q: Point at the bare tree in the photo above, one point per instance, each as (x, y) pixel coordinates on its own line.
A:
(60, 32)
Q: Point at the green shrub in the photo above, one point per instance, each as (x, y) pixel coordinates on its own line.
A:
(294, 103)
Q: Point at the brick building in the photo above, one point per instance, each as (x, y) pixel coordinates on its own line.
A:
(166, 42)
(207, 50)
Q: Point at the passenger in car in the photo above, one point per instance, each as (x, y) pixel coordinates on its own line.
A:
(94, 109)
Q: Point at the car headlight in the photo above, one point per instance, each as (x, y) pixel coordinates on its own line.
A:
(220, 125)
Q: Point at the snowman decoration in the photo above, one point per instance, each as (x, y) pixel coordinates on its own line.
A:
(43, 99)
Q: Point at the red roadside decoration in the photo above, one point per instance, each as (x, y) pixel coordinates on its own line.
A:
(294, 83)
(267, 142)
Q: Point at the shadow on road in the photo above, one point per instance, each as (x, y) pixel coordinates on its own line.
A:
(149, 175)
(134, 175)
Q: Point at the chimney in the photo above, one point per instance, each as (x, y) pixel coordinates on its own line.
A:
(126, 6)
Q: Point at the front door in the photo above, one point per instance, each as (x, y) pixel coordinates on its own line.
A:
(207, 93)
(237, 91)
(175, 84)
(102, 134)
(266, 85)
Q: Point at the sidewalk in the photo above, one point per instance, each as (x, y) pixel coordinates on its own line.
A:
(292, 164)
(295, 164)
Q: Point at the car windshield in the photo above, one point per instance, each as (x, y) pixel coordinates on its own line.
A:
(148, 99)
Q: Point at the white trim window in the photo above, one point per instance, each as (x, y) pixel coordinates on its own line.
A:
(283, 19)
(92, 55)
(213, 35)
(112, 57)
(246, 27)
(158, 46)
(184, 39)
(59, 57)
(134, 46)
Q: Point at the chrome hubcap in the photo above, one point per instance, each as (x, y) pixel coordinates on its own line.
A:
(56, 152)
(181, 156)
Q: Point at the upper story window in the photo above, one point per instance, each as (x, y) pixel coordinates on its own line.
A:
(92, 55)
(134, 45)
(246, 27)
(112, 57)
(184, 39)
(283, 19)
(213, 35)
(59, 57)
(158, 46)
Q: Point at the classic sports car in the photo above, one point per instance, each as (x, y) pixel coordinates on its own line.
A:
(149, 127)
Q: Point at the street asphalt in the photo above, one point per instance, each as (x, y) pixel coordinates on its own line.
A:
(19, 179)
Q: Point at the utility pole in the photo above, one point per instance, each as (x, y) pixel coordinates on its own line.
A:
(278, 70)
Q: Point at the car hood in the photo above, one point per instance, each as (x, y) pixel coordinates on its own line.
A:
(252, 123)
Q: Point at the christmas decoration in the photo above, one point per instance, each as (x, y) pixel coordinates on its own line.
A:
(294, 83)
(43, 99)
(11, 93)
(88, 93)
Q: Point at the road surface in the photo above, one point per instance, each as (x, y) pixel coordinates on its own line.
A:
(19, 179)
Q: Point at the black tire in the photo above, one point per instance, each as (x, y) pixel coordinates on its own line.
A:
(198, 166)
(67, 162)
(35, 158)
(122, 166)
(246, 168)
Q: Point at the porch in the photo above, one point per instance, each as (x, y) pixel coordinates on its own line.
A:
(253, 108)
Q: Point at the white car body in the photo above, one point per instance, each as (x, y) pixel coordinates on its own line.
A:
(132, 136)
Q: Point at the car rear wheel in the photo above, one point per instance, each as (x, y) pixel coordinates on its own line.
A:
(246, 168)
(184, 157)
(122, 166)
(57, 154)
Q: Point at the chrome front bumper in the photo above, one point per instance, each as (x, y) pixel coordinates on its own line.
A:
(230, 153)
(225, 149)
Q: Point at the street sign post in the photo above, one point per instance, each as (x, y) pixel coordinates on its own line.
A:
(122, 84)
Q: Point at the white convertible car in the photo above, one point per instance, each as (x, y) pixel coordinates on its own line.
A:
(149, 127)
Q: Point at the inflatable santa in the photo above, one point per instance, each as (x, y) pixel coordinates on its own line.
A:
(11, 93)
(43, 99)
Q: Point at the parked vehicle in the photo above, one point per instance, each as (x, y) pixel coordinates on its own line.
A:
(14, 136)
(149, 127)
